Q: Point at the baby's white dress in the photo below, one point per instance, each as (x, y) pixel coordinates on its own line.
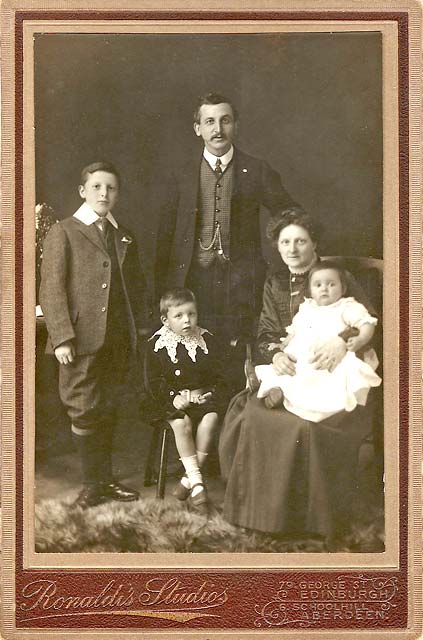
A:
(317, 394)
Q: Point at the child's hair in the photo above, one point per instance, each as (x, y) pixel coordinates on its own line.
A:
(174, 297)
(329, 264)
(98, 166)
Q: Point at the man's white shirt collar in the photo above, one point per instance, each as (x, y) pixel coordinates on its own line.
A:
(87, 215)
(225, 159)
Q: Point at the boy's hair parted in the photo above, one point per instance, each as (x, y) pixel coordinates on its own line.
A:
(108, 167)
(174, 297)
(321, 265)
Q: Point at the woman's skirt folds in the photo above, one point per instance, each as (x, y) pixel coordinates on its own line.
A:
(285, 474)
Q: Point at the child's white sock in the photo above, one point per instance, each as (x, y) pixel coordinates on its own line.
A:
(201, 458)
(193, 472)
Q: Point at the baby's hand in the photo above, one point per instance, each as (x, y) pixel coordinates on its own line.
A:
(274, 345)
(65, 352)
(180, 402)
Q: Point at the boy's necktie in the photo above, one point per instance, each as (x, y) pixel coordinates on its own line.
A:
(218, 168)
(109, 236)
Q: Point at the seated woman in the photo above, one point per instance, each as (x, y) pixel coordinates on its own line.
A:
(316, 394)
(286, 474)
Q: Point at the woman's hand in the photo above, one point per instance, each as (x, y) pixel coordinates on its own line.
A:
(284, 364)
(329, 354)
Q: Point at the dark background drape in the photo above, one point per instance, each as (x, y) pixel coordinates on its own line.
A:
(309, 103)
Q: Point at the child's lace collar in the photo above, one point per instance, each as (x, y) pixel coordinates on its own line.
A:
(169, 340)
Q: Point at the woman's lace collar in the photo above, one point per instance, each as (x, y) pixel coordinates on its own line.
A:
(169, 340)
(305, 270)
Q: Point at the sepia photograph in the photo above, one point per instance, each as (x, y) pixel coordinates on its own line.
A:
(289, 458)
(211, 351)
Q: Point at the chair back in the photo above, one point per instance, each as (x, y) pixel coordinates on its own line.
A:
(369, 274)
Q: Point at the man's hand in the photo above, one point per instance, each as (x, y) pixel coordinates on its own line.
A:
(329, 355)
(65, 352)
(180, 402)
(284, 364)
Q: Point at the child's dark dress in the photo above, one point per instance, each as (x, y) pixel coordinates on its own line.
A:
(167, 375)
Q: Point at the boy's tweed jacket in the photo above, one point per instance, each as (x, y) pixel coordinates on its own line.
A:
(75, 285)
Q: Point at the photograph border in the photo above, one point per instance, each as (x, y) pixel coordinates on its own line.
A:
(402, 585)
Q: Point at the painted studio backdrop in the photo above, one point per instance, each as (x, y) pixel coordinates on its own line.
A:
(310, 104)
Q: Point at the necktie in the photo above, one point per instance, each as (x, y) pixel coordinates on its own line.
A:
(218, 168)
(109, 236)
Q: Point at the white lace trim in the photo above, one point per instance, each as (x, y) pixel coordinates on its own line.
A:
(169, 340)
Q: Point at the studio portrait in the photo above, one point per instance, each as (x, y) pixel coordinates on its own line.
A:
(209, 228)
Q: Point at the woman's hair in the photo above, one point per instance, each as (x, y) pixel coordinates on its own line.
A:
(174, 297)
(329, 264)
(293, 215)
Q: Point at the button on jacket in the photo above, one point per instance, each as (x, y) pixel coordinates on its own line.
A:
(255, 183)
(75, 285)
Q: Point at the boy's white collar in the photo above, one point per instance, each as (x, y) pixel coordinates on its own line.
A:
(169, 340)
(87, 215)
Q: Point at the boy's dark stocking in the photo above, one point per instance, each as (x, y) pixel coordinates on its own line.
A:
(86, 442)
(95, 450)
(105, 448)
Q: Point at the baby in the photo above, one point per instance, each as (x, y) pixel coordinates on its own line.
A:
(316, 394)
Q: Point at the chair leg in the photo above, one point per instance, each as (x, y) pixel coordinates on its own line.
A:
(151, 457)
(161, 484)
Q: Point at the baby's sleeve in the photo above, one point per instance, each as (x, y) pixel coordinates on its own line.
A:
(355, 314)
(290, 330)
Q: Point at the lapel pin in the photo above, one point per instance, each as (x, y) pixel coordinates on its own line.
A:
(244, 170)
(126, 239)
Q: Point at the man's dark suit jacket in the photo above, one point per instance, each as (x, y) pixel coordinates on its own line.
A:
(75, 285)
(255, 183)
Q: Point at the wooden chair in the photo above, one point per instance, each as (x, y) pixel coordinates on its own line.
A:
(159, 438)
(161, 431)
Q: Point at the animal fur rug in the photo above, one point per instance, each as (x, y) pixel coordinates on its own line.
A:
(154, 526)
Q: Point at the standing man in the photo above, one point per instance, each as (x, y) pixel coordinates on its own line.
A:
(209, 233)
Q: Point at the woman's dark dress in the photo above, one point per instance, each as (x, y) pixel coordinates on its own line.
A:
(285, 474)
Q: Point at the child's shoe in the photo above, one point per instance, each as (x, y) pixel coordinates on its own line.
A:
(274, 398)
(181, 492)
(200, 502)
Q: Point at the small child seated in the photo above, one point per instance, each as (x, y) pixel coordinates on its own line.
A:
(316, 394)
(183, 367)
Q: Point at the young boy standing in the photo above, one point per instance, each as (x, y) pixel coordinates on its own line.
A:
(93, 296)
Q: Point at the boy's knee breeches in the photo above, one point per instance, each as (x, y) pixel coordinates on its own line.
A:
(90, 387)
